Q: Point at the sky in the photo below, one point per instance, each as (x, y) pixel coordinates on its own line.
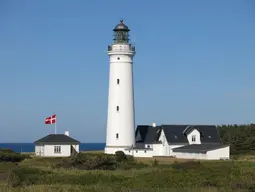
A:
(194, 64)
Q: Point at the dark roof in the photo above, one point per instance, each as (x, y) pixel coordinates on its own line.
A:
(198, 148)
(148, 134)
(121, 27)
(174, 133)
(177, 134)
(56, 139)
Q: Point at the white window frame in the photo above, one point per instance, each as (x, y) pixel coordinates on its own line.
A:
(57, 149)
(193, 138)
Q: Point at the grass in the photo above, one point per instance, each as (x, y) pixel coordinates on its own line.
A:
(168, 175)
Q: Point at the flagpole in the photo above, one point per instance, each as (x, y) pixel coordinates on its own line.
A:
(56, 125)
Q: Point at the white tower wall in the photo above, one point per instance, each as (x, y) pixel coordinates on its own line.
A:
(120, 133)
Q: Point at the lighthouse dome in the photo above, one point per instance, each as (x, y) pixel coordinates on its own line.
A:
(121, 27)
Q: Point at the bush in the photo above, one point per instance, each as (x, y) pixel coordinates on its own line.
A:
(182, 176)
(155, 163)
(100, 161)
(120, 156)
(6, 150)
(89, 162)
(22, 176)
(27, 176)
(187, 165)
(9, 156)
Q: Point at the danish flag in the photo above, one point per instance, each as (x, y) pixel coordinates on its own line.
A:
(51, 119)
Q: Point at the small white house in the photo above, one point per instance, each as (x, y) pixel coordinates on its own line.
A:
(56, 145)
(179, 141)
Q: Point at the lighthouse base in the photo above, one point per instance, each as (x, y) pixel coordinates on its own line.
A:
(113, 150)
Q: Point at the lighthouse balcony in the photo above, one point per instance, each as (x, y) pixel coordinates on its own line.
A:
(121, 48)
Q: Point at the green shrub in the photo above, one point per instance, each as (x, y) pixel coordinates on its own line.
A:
(155, 163)
(238, 176)
(187, 165)
(8, 156)
(5, 150)
(99, 161)
(120, 156)
(27, 176)
(22, 176)
(89, 161)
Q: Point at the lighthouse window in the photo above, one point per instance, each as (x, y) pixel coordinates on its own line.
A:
(118, 81)
(118, 108)
(117, 135)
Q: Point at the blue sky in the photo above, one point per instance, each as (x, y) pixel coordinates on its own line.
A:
(195, 64)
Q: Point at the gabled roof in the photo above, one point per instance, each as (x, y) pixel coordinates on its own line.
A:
(208, 133)
(147, 134)
(174, 134)
(177, 134)
(56, 139)
(198, 148)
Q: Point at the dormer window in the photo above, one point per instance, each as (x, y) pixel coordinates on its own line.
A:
(193, 138)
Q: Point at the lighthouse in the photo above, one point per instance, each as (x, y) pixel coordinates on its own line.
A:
(120, 133)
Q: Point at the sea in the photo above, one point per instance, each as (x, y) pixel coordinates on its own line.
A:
(30, 147)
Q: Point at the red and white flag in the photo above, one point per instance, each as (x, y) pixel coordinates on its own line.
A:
(51, 119)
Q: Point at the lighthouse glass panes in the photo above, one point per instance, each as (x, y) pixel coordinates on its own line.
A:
(121, 37)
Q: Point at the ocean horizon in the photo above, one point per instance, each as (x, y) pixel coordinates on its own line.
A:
(30, 147)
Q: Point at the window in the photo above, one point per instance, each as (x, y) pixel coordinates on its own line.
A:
(148, 146)
(145, 151)
(118, 81)
(118, 58)
(136, 151)
(57, 149)
(117, 135)
(118, 108)
(193, 138)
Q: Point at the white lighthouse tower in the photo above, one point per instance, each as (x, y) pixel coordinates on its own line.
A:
(120, 133)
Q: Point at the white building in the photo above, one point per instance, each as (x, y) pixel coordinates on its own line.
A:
(56, 145)
(120, 120)
(180, 141)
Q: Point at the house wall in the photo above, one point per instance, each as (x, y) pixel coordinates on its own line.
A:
(39, 150)
(76, 147)
(49, 151)
(172, 147)
(165, 147)
(196, 133)
(222, 153)
(140, 152)
(189, 155)
(217, 154)
(158, 149)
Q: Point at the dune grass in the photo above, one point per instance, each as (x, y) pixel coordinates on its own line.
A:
(167, 174)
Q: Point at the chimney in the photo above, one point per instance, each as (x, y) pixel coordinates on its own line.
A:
(153, 124)
(67, 133)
